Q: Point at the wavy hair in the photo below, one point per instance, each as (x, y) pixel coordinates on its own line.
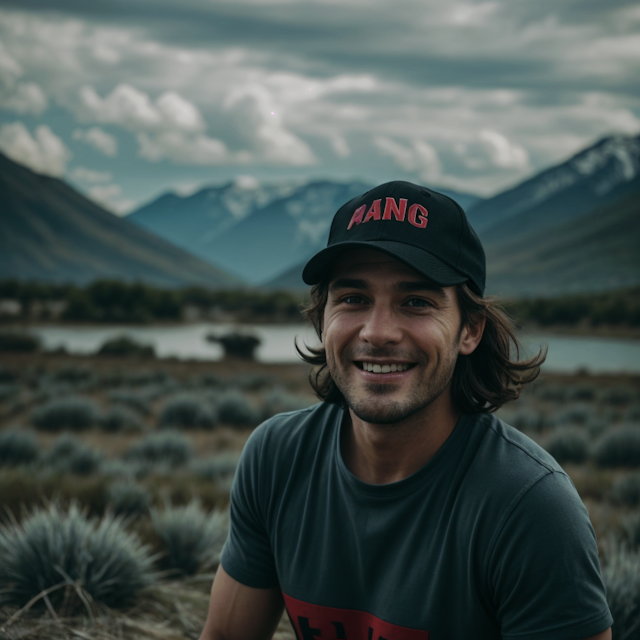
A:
(482, 381)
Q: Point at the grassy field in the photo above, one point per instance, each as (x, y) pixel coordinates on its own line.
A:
(142, 452)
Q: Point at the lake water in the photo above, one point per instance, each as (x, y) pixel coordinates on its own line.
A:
(566, 354)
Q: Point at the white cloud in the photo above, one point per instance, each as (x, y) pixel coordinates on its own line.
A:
(24, 97)
(259, 121)
(99, 140)
(108, 196)
(89, 175)
(182, 148)
(134, 110)
(340, 146)
(418, 156)
(44, 152)
(504, 153)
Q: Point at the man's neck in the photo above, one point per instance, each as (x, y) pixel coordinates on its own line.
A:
(385, 453)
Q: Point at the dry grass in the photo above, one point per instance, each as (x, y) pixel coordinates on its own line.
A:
(169, 611)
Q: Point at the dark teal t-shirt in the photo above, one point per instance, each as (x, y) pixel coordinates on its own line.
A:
(488, 540)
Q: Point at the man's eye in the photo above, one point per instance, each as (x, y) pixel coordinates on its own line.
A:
(353, 299)
(419, 303)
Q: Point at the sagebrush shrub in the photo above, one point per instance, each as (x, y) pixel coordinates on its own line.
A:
(71, 412)
(237, 409)
(626, 490)
(121, 418)
(190, 538)
(169, 448)
(50, 547)
(186, 411)
(621, 575)
(552, 392)
(568, 444)
(576, 414)
(617, 396)
(527, 420)
(18, 447)
(582, 392)
(128, 498)
(133, 399)
(215, 467)
(70, 455)
(280, 401)
(618, 447)
(9, 392)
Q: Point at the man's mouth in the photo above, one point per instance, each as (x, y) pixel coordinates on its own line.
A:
(375, 367)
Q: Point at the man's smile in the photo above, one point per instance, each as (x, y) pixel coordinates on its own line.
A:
(386, 367)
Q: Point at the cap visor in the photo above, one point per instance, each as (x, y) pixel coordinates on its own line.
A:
(422, 261)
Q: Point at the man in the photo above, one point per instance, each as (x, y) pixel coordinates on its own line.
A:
(399, 508)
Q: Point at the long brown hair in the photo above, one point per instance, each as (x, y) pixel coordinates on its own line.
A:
(482, 381)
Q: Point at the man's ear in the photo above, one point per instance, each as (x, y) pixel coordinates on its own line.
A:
(471, 335)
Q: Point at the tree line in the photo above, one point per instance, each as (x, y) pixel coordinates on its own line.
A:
(118, 301)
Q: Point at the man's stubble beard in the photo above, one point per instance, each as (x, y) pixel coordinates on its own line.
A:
(375, 407)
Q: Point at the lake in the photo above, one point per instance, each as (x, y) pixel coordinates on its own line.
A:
(567, 354)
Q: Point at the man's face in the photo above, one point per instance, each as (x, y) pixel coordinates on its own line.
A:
(391, 336)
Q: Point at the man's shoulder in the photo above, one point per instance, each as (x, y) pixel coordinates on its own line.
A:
(508, 460)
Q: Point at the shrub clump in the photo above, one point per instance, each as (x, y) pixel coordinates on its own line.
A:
(128, 498)
(122, 346)
(121, 418)
(186, 411)
(237, 345)
(171, 449)
(18, 342)
(617, 396)
(621, 576)
(190, 538)
(279, 401)
(235, 408)
(18, 447)
(568, 444)
(626, 490)
(133, 399)
(619, 447)
(67, 553)
(72, 412)
(70, 455)
(216, 468)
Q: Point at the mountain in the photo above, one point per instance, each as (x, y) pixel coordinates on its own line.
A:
(572, 228)
(602, 173)
(254, 231)
(193, 222)
(596, 252)
(49, 232)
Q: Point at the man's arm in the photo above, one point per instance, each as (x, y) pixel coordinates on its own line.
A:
(605, 635)
(238, 612)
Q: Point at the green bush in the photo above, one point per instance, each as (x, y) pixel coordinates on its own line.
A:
(122, 418)
(617, 396)
(51, 548)
(216, 467)
(8, 391)
(626, 490)
(582, 393)
(128, 498)
(568, 444)
(171, 449)
(528, 420)
(18, 447)
(279, 401)
(133, 399)
(574, 414)
(70, 455)
(190, 538)
(621, 575)
(237, 409)
(186, 411)
(71, 412)
(237, 345)
(18, 342)
(618, 447)
(125, 346)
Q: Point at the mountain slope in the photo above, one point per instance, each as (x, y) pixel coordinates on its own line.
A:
(602, 173)
(50, 232)
(599, 251)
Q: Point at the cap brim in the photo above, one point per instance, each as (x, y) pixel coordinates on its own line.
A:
(422, 261)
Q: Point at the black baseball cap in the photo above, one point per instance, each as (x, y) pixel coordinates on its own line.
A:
(425, 229)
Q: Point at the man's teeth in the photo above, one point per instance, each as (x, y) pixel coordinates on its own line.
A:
(384, 368)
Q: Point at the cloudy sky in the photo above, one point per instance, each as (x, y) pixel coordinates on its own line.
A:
(126, 99)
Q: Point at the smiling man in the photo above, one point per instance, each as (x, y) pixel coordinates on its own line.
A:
(400, 507)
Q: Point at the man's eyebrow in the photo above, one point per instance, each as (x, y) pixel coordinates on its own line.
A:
(421, 285)
(348, 283)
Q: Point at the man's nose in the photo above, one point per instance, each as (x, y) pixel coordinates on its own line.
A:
(381, 327)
